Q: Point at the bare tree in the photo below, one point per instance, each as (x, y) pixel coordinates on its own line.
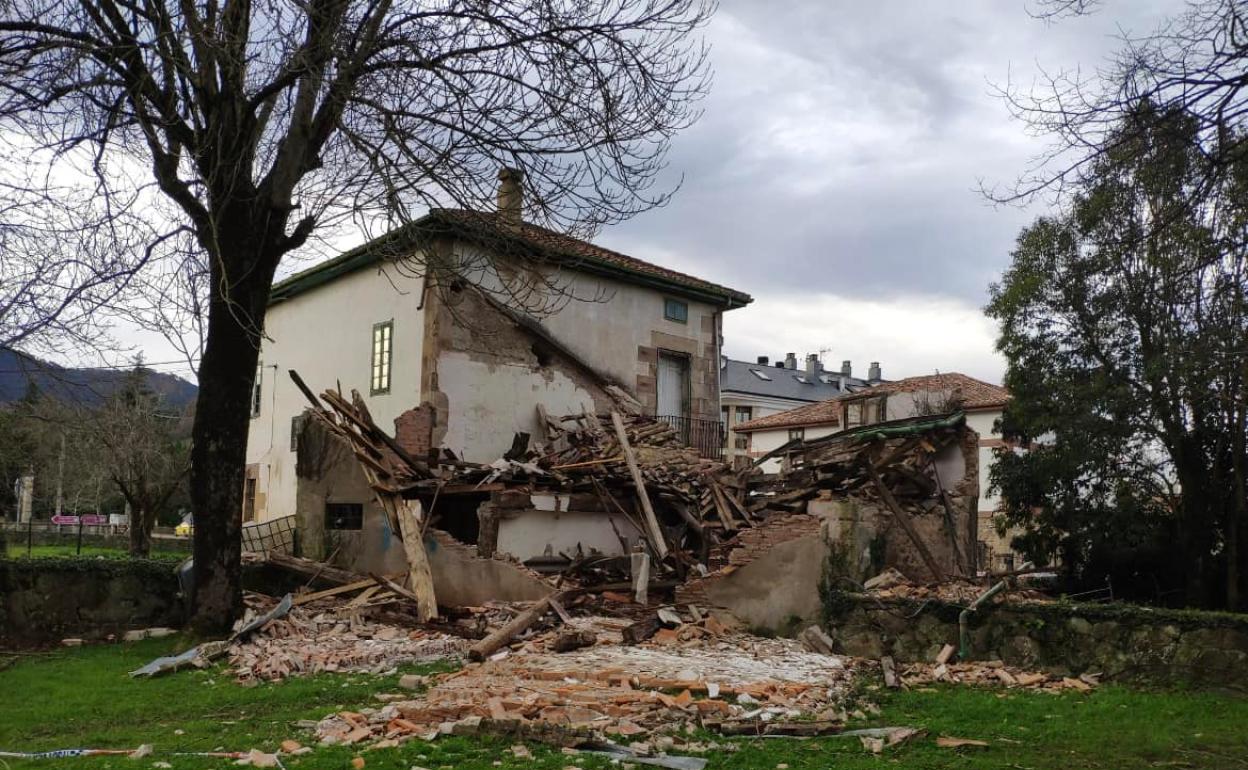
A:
(137, 449)
(263, 125)
(1195, 62)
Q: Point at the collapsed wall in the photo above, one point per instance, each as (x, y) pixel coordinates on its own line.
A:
(823, 521)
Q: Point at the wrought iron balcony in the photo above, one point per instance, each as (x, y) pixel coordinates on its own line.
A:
(706, 436)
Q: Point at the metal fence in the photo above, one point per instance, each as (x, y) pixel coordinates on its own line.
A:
(706, 436)
(271, 535)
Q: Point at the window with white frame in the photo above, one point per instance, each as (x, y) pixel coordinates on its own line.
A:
(257, 387)
(383, 345)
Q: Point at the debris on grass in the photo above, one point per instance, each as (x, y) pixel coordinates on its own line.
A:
(992, 673)
(956, 743)
(307, 641)
(611, 690)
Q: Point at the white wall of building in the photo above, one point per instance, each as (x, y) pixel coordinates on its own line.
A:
(609, 333)
(325, 334)
(760, 406)
(765, 441)
(984, 423)
(491, 402)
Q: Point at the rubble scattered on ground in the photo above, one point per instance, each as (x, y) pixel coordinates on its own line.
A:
(992, 673)
(310, 641)
(891, 584)
(733, 682)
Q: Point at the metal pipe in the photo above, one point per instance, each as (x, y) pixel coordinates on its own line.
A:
(964, 635)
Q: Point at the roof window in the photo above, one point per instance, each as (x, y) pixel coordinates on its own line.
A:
(760, 375)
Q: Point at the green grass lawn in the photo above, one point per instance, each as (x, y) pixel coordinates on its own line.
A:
(17, 550)
(84, 698)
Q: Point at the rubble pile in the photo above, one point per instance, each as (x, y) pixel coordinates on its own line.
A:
(733, 683)
(891, 584)
(307, 641)
(992, 673)
(873, 462)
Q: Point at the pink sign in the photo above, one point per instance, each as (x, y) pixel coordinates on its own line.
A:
(64, 519)
(94, 518)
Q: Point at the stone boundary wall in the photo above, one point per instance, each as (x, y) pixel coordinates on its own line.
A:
(48, 599)
(1123, 642)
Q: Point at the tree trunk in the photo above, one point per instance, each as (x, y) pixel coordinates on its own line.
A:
(219, 440)
(1194, 528)
(1237, 513)
(141, 521)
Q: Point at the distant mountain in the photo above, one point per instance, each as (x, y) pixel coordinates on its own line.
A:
(19, 371)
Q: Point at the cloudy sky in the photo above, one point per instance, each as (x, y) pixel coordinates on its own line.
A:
(834, 175)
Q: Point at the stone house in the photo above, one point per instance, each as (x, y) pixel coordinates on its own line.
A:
(982, 402)
(454, 329)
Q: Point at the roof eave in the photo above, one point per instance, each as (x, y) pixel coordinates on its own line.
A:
(365, 255)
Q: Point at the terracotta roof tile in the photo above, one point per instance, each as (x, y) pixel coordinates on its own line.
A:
(821, 413)
(526, 239)
(565, 246)
(974, 394)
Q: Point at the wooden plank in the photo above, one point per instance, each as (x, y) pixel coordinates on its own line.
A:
(364, 596)
(310, 568)
(722, 509)
(386, 582)
(420, 576)
(560, 611)
(652, 522)
(904, 520)
(328, 592)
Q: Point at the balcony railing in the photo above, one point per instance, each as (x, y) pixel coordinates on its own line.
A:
(706, 436)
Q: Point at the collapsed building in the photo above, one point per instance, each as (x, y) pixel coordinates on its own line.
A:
(593, 496)
(500, 408)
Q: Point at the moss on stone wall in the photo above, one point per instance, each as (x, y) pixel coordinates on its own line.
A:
(1122, 641)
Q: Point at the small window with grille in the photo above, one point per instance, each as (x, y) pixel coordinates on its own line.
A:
(344, 515)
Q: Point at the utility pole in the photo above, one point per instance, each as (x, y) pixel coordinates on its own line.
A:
(60, 476)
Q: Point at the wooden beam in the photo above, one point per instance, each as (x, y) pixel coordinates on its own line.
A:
(904, 520)
(490, 644)
(313, 569)
(420, 576)
(652, 521)
(328, 592)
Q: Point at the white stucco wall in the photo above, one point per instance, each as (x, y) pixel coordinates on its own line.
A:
(766, 440)
(610, 332)
(530, 534)
(325, 334)
(984, 423)
(491, 402)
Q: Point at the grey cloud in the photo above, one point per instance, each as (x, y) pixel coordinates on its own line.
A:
(843, 142)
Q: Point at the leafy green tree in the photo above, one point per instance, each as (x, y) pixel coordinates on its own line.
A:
(1123, 323)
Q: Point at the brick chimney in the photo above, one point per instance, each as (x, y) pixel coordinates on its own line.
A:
(873, 373)
(511, 195)
(813, 367)
(790, 360)
(847, 368)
